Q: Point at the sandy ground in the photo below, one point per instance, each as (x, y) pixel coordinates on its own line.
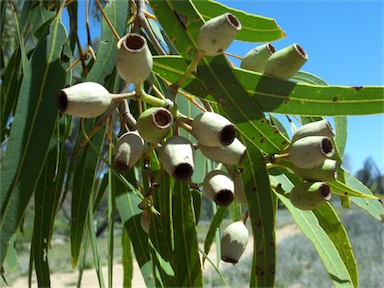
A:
(90, 277)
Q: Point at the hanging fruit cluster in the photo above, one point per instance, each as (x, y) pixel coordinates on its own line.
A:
(156, 128)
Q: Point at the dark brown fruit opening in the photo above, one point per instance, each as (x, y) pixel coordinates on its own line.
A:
(62, 101)
(122, 166)
(134, 42)
(228, 134)
(325, 191)
(233, 21)
(327, 146)
(229, 260)
(163, 118)
(300, 50)
(223, 197)
(183, 172)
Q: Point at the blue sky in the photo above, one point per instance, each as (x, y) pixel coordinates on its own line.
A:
(344, 41)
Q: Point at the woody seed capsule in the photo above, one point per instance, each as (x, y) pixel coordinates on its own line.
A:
(154, 124)
(219, 187)
(217, 34)
(232, 154)
(86, 100)
(256, 59)
(309, 196)
(233, 242)
(212, 129)
(128, 150)
(317, 128)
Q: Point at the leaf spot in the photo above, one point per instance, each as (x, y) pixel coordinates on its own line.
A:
(334, 99)
(357, 88)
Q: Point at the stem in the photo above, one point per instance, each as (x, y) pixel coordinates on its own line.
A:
(233, 55)
(192, 68)
(123, 96)
(152, 100)
(245, 217)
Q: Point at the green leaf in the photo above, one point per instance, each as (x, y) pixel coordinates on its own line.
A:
(371, 206)
(336, 232)
(84, 178)
(253, 28)
(262, 209)
(287, 97)
(338, 187)
(341, 127)
(186, 257)
(215, 224)
(309, 225)
(31, 131)
(127, 205)
(117, 13)
(127, 259)
(47, 197)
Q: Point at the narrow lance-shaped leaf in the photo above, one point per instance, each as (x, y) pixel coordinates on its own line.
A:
(47, 196)
(309, 225)
(31, 132)
(187, 262)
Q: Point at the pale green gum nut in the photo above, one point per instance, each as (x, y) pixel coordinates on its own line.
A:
(86, 100)
(285, 63)
(232, 154)
(219, 187)
(128, 150)
(154, 124)
(217, 34)
(326, 171)
(239, 190)
(310, 151)
(212, 129)
(177, 158)
(134, 59)
(234, 240)
(145, 220)
(256, 59)
(309, 196)
(318, 128)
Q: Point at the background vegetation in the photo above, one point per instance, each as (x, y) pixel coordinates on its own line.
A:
(48, 194)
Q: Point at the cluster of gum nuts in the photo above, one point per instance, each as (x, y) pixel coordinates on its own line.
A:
(215, 135)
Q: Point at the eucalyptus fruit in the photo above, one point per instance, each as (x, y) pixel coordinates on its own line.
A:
(212, 129)
(310, 151)
(285, 63)
(219, 187)
(256, 59)
(231, 154)
(128, 150)
(234, 241)
(154, 124)
(134, 60)
(317, 128)
(86, 100)
(177, 158)
(217, 34)
(309, 196)
(326, 171)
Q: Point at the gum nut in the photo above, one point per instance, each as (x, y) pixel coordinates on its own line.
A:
(176, 157)
(285, 63)
(86, 100)
(309, 196)
(154, 124)
(217, 34)
(219, 187)
(145, 220)
(212, 129)
(128, 150)
(256, 59)
(239, 190)
(310, 151)
(134, 59)
(326, 171)
(233, 242)
(231, 154)
(318, 128)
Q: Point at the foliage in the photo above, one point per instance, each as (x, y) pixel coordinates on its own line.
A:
(55, 157)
